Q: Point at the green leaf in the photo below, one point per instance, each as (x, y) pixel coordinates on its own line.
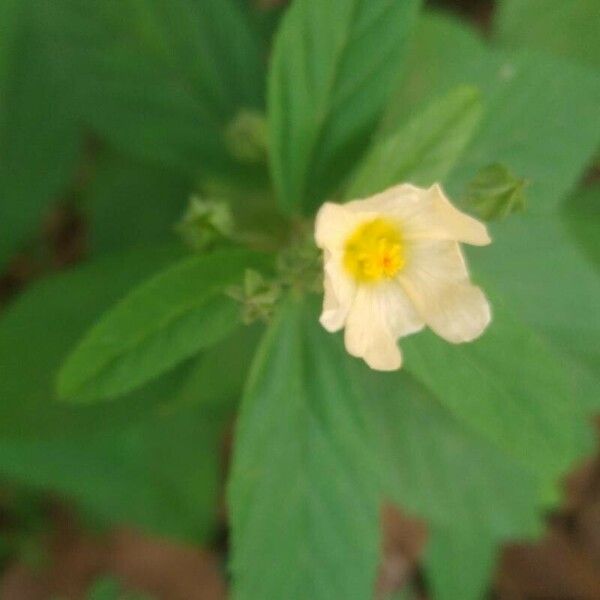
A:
(219, 375)
(495, 193)
(160, 474)
(164, 321)
(333, 66)
(160, 79)
(509, 385)
(544, 277)
(39, 140)
(567, 28)
(130, 203)
(303, 493)
(424, 150)
(542, 116)
(582, 216)
(472, 496)
(44, 323)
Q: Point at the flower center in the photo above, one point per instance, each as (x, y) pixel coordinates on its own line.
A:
(374, 251)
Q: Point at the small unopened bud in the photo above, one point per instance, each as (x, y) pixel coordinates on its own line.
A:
(246, 137)
(205, 222)
(257, 295)
(495, 193)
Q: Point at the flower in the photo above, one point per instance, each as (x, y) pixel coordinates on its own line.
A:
(393, 264)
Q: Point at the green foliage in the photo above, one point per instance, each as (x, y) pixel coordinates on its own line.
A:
(535, 267)
(166, 320)
(130, 203)
(41, 327)
(424, 150)
(508, 385)
(582, 215)
(495, 193)
(472, 495)
(332, 70)
(542, 117)
(38, 139)
(156, 77)
(160, 474)
(303, 492)
(169, 96)
(568, 28)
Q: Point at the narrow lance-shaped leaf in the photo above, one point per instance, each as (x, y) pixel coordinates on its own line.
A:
(303, 492)
(164, 321)
(51, 316)
(333, 66)
(423, 150)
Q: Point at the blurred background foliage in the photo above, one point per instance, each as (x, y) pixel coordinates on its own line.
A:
(114, 112)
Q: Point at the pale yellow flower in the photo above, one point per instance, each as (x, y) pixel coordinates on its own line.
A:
(393, 264)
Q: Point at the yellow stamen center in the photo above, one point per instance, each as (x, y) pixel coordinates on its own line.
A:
(374, 251)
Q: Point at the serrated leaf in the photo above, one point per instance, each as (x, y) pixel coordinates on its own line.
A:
(542, 117)
(161, 323)
(50, 317)
(333, 67)
(472, 496)
(303, 493)
(424, 150)
(508, 385)
(547, 280)
(568, 28)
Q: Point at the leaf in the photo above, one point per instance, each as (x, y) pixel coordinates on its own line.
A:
(548, 281)
(542, 116)
(543, 122)
(333, 66)
(509, 386)
(568, 28)
(130, 203)
(217, 380)
(582, 216)
(41, 326)
(160, 474)
(495, 193)
(161, 323)
(303, 494)
(424, 150)
(39, 140)
(472, 496)
(160, 79)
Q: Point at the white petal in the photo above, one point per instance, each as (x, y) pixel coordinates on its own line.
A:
(436, 218)
(424, 214)
(398, 311)
(389, 201)
(368, 337)
(379, 315)
(339, 293)
(437, 282)
(334, 224)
